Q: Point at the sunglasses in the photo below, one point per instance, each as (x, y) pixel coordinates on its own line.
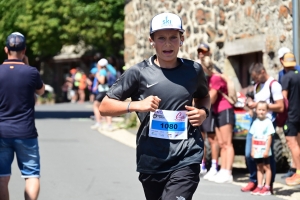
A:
(201, 50)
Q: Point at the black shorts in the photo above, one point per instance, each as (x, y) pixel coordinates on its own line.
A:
(265, 161)
(100, 96)
(224, 117)
(178, 184)
(208, 126)
(291, 128)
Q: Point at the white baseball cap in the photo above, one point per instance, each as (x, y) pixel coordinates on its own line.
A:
(102, 62)
(166, 21)
(282, 51)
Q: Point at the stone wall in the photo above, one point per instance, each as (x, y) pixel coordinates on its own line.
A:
(230, 27)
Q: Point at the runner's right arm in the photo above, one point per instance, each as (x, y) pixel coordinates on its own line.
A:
(113, 107)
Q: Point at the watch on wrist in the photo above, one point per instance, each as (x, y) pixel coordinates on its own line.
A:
(206, 111)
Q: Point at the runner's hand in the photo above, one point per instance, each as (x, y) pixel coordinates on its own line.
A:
(151, 103)
(196, 116)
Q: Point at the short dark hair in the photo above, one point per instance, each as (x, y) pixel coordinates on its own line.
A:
(257, 68)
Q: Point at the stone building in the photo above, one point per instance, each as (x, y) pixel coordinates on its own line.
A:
(239, 32)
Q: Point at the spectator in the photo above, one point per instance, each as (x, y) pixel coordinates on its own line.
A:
(18, 134)
(102, 88)
(224, 120)
(281, 53)
(74, 89)
(208, 126)
(291, 91)
(91, 76)
(263, 91)
(262, 130)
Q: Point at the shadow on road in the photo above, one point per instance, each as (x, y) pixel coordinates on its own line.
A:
(62, 114)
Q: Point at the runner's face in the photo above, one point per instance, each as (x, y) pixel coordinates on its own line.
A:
(261, 111)
(166, 44)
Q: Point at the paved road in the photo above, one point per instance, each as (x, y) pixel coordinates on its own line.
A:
(81, 164)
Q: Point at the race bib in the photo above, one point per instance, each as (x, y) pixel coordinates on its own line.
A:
(259, 146)
(167, 124)
(103, 88)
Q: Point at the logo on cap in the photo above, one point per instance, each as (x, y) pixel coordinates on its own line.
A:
(167, 22)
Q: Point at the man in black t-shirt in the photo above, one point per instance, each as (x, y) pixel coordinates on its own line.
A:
(291, 91)
(18, 135)
(163, 89)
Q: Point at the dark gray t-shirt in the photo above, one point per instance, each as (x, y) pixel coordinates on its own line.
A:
(176, 88)
(291, 82)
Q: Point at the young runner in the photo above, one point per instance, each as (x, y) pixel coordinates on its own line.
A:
(170, 96)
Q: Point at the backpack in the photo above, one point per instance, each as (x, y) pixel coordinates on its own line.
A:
(280, 117)
(231, 97)
(111, 78)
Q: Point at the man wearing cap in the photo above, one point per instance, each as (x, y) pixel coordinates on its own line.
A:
(18, 134)
(163, 89)
(291, 91)
(281, 52)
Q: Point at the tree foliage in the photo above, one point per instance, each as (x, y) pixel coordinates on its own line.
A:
(50, 24)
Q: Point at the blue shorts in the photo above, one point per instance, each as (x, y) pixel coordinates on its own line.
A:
(27, 153)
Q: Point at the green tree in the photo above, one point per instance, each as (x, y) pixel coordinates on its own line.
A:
(50, 24)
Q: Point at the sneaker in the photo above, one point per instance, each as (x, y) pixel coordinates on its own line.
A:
(256, 191)
(212, 172)
(290, 173)
(109, 128)
(215, 177)
(203, 170)
(249, 187)
(265, 191)
(95, 126)
(294, 180)
(224, 178)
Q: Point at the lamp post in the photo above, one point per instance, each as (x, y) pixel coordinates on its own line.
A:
(296, 29)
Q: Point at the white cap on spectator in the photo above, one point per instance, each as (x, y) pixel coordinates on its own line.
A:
(282, 51)
(102, 62)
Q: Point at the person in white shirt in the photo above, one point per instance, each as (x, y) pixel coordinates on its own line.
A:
(269, 90)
